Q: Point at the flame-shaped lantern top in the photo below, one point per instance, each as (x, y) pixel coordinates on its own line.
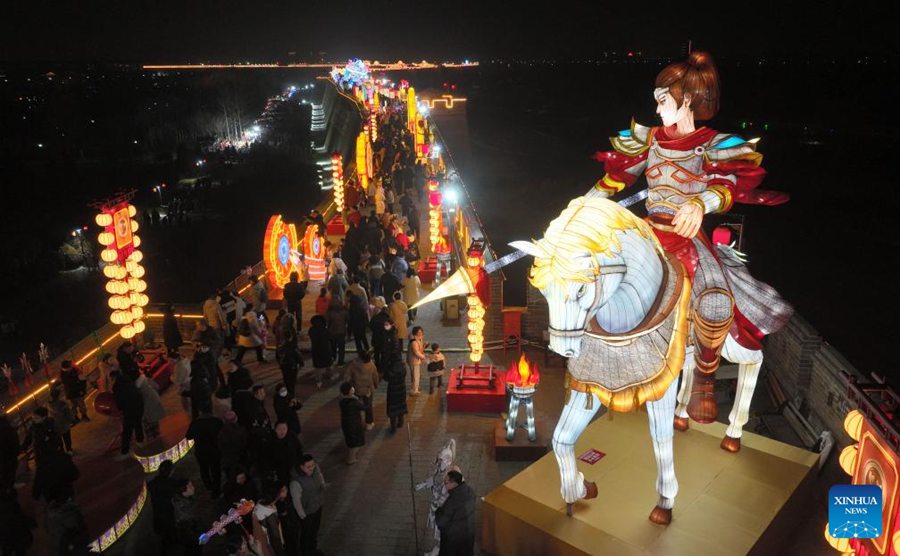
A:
(523, 374)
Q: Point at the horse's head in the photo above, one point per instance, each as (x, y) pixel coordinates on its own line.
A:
(577, 266)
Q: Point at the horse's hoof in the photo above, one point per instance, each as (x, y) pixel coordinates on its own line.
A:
(682, 423)
(703, 408)
(591, 488)
(661, 516)
(569, 510)
(731, 444)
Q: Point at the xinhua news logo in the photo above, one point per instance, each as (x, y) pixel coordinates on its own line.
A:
(854, 511)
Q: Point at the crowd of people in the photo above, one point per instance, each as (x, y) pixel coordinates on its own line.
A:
(242, 452)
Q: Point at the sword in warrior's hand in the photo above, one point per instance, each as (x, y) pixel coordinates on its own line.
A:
(460, 283)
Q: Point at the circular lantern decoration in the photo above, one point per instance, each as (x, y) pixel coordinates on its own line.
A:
(848, 458)
(103, 219)
(278, 250)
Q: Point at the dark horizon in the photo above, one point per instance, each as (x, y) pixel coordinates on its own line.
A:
(174, 32)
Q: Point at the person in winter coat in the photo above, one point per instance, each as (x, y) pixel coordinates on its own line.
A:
(375, 273)
(395, 374)
(320, 347)
(202, 380)
(322, 302)
(266, 526)
(285, 452)
(107, 365)
(411, 286)
(456, 517)
(75, 388)
(238, 377)
(128, 360)
(15, 534)
(352, 422)
(181, 377)
(293, 293)
(337, 286)
(415, 357)
(358, 317)
(153, 409)
(390, 286)
(290, 521)
(249, 337)
(376, 325)
(232, 441)
(287, 350)
(363, 376)
(131, 406)
(187, 527)
(62, 416)
(259, 295)
(398, 310)
(286, 408)
(204, 431)
(336, 321)
(307, 489)
(162, 489)
(67, 532)
(171, 334)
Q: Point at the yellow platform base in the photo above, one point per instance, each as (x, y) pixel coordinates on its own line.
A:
(727, 503)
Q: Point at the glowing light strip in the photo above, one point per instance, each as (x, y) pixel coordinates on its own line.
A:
(447, 100)
(114, 533)
(175, 453)
(31, 396)
(179, 315)
(397, 66)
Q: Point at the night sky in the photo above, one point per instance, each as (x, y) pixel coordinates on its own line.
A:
(168, 31)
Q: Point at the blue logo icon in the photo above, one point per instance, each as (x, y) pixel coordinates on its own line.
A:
(854, 511)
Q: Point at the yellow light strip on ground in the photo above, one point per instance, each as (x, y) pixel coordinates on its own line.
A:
(118, 529)
(30, 396)
(175, 453)
(96, 349)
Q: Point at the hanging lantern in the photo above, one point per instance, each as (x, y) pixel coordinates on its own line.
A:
(138, 326)
(103, 219)
(137, 313)
(134, 226)
(138, 271)
(848, 458)
(853, 423)
(337, 180)
(109, 255)
(136, 256)
(127, 332)
(130, 266)
(111, 271)
(106, 238)
(135, 241)
(132, 211)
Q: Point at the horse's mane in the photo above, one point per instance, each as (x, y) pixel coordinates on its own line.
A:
(587, 225)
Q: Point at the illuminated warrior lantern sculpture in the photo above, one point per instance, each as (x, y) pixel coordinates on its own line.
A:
(609, 276)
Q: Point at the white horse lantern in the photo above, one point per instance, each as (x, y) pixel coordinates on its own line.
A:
(619, 310)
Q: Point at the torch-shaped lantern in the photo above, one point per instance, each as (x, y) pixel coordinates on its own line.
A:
(337, 180)
(373, 125)
(522, 379)
(362, 165)
(435, 200)
(475, 270)
(126, 287)
(411, 110)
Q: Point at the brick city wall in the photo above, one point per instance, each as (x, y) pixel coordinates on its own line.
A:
(536, 319)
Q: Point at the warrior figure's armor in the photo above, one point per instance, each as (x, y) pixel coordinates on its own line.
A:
(712, 170)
